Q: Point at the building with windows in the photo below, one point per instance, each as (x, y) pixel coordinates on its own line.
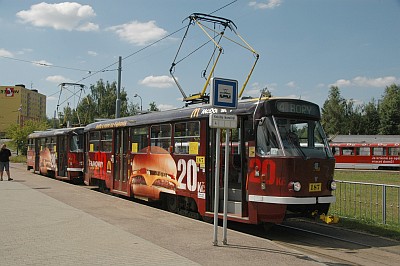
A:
(19, 104)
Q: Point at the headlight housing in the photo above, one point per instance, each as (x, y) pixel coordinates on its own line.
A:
(332, 185)
(294, 186)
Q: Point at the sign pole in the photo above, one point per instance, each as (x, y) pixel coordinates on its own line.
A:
(225, 219)
(216, 185)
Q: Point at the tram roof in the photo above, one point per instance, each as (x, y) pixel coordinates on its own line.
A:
(366, 139)
(180, 114)
(54, 132)
(183, 114)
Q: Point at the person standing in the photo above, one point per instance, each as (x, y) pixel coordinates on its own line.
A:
(5, 162)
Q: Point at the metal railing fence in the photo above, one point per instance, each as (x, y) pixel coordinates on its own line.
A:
(379, 203)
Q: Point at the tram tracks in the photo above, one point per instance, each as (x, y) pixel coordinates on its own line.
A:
(324, 235)
(331, 243)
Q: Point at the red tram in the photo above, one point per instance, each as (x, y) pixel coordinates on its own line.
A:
(367, 155)
(280, 161)
(57, 153)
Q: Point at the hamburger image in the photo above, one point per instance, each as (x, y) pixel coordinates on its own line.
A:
(44, 161)
(153, 171)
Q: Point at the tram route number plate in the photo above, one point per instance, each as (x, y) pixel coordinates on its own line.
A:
(314, 187)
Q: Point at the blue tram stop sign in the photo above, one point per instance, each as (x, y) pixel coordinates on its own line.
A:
(224, 93)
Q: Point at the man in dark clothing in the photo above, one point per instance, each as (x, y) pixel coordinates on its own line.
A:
(5, 162)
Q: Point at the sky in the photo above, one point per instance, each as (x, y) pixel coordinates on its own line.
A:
(304, 47)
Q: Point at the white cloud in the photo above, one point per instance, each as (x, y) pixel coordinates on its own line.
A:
(4, 52)
(62, 16)
(51, 98)
(88, 27)
(58, 79)
(158, 81)
(42, 63)
(366, 82)
(25, 50)
(139, 33)
(270, 4)
(291, 84)
(164, 107)
(92, 53)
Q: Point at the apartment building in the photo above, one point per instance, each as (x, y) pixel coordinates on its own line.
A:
(19, 104)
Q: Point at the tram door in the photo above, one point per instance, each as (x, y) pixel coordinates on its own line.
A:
(62, 156)
(237, 170)
(37, 154)
(120, 174)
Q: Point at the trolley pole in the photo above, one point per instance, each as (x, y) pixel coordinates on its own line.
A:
(118, 101)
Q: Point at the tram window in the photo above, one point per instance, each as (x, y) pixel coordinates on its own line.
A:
(335, 150)
(76, 143)
(160, 135)
(106, 140)
(267, 139)
(50, 143)
(187, 137)
(363, 151)
(139, 139)
(94, 141)
(394, 151)
(347, 151)
(30, 145)
(42, 143)
(379, 151)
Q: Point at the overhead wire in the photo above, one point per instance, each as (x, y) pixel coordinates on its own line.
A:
(92, 73)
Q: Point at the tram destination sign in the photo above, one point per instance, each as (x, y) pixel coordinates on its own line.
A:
(297, 107)
(224, 93)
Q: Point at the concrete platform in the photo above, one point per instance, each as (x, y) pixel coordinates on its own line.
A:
(50, 222)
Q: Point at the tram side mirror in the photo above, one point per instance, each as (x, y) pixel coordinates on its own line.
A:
(261, 121)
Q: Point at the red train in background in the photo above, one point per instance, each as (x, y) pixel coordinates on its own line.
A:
(280, 160)
(57, 153)
(382, 156)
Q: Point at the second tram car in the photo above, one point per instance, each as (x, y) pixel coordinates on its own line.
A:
(372, 156)
(57, 153)
(280, 161)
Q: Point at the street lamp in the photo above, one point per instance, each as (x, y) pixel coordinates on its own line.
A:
(137, 95)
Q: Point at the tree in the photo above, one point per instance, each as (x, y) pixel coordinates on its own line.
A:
(266, 93)
(352, 118)
(370, 119)
(101, 102)
(153, 107)
(333, 113)
(389, 113)
(19, 134)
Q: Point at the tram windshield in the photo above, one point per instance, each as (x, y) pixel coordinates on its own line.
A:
(280, 136)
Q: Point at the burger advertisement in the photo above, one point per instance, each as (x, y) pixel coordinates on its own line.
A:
(47, 161)
(153, 171)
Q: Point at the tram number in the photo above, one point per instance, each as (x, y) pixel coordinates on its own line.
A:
(314, 187)
(188, 169)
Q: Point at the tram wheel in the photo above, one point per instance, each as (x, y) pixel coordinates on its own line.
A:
(172, 203)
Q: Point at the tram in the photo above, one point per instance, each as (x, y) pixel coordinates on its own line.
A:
(280, 161)
(372, 156)
(57, 153)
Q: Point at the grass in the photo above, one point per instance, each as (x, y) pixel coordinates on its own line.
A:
(18, 159)
(351, 198)
(377, 177)
(389, 231)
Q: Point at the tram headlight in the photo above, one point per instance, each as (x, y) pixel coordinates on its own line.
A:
(332, 185)
(295, 186)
